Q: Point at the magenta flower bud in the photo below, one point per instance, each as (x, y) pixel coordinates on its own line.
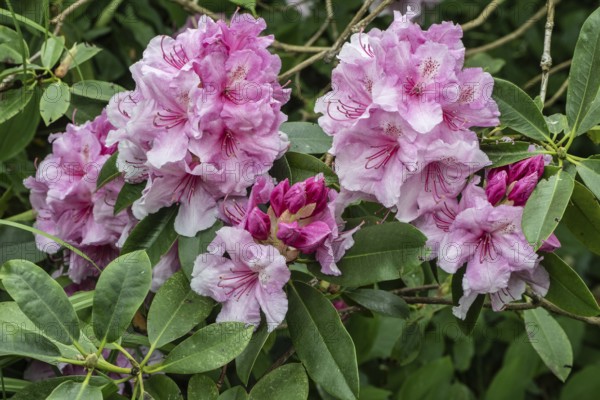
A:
(521, 169)
(305, 238)
(495, 189)
(258, 224)
(317, 192)
(522, 189)
(296, 197)
(277, 197)
(550, 244)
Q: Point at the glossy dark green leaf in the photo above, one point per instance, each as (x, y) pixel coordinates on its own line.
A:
(42, 389)
(582, 217)
(432, 381)
(550, 341)
(584, 80)
(155, 234)
(245, 361)
(175, 310)
(380, 301)
(306, 137)
(503, 153)
(128, 194)
(54, 102)
(567, 290)
(582, 385)
(161, 387)
(14, 101)
(211, 347)
(304, 166)
(19, 131)
(519, 112)
(589, 170)
(75, 391)
(286, 382)
(108, 172)
(321, 341)
(201, 387)
(41, 299)
(190, 247)
(408, 346)
(380, 253)
(235, 393)
(546, 206)
(121, 289)
(97, 90)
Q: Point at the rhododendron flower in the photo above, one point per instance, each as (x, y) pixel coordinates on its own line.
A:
(488, 239)
(203, 121)
(67, 203)
(300, 217)
(400, 113)
(251, 279)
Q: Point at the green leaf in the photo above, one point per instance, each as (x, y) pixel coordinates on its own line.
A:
(190, 247)
(19, 131)
(389, 250)
(175, 310)
(286, 382)
(20, 339)
(54, 102)
(304, 166)
(431, 381)
(589, 170)
(321, 341)
(201, 387)
(121, 289)
(306, 137)
(97, 90)
(594, 134)
(380, 301)
(82, 300)
(582, 217)
(41, 299)
(247, 4)
(550, 341)
(557, 123)
(75, 391)
(485, 61)
(83, 109)
(502, 153)
(245, 361)
(235, 393)
(128, 194)
(519, 112)
(161, 387)
(582, 385)
(109, 171)
(10, 48)
(584, 80)
(51, 50)
(155, 234)
(80, 53)
(567, 290)
(209, 348)
(14, 101)
(546, 206)
(42, 389)
(409, 344)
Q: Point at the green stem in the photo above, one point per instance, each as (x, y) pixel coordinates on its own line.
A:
(22, 38)
(133, 361)
(79, 348)
(106, 366)
(150, 369)
(70, 361)
(572, 135)
(86, 381)
(150, 351)
(141, 382)
(25, 216)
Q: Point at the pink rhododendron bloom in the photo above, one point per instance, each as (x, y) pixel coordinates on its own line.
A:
(248, 281)
(67, 203)
(303, 217)
(488, 239)
(203, 121)
(400, 112)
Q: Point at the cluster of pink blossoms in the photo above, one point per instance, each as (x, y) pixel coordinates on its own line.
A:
(69, 206)
(269, 228)
(67, 203)
(400, 113)
(203, 121)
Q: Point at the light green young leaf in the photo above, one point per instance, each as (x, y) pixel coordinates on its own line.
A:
(51, 50)
(54, 102)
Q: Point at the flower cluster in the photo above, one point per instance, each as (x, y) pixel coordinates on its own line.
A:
(269, 228)
(67, 203)
(400, 113)
(203, 121)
